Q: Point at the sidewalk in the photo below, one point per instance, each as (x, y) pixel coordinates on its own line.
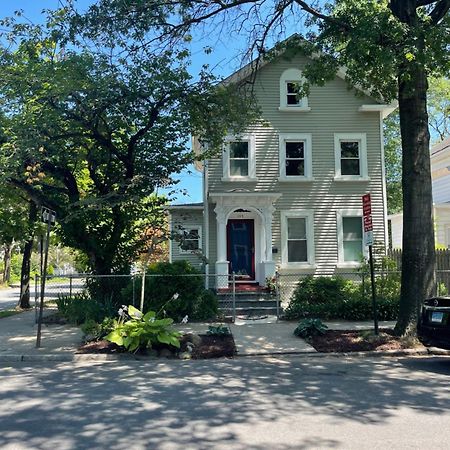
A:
(18, 339)
(60, 342)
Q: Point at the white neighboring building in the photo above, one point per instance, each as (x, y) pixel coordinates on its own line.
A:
(440, 174)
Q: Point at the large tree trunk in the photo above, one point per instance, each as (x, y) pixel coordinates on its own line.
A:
(418, 257)
(7, 262)
(24, 299)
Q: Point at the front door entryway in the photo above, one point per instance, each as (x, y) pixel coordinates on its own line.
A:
(241, 247)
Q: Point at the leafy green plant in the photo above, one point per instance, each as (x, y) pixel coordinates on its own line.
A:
(166, 279)
(135, 330)
(206, 307)
(308, 328)
(80, 308)
(98, 331)
(218, 330)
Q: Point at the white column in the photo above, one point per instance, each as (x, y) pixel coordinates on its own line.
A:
(221, 263)
(268, 265)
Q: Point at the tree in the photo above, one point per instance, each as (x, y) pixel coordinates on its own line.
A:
(94, 136)
(389, 48)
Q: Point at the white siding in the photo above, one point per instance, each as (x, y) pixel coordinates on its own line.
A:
(334, 109)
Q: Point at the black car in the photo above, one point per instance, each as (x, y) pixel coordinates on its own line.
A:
(433, 328)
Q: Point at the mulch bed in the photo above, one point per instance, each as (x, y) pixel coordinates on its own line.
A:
(360, 341)
(209, 347)
(215, 347)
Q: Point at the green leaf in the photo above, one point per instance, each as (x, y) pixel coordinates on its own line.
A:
(115, 337)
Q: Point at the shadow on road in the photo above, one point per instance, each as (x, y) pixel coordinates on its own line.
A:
(210, 405)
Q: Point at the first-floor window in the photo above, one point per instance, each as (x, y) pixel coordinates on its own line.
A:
(352, 238)
(190, 240)
(298, 237)
(297, 240)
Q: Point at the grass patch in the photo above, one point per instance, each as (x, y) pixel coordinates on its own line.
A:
(10, 312)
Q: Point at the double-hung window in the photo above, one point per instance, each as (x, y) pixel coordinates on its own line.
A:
(350, 237)
(239, 159)
(350, 156)
(291, 83)
(295, 157)
(297, 236)
(190, 240)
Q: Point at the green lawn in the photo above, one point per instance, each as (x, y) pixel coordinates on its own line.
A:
(9, 312)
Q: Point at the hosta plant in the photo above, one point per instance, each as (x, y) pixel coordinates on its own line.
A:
(308, 328)
(135, 330)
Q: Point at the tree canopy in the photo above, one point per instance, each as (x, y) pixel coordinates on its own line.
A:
(389, 48)
(94, 136)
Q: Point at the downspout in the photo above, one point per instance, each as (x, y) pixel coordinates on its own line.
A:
(206, 220)
(383, 180)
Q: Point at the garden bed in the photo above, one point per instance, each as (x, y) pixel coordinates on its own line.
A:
(360, 341)
(205, 347)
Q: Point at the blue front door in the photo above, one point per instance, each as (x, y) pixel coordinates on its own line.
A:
(241, 246)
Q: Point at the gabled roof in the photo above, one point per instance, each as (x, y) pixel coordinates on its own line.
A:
(441, 147)
(258, 63)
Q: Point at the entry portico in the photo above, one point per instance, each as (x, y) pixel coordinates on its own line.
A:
(244, 235)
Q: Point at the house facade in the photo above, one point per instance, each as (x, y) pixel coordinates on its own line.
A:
(440, 178)
(286, 194)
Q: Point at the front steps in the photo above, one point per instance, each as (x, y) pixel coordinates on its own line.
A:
(248, 303)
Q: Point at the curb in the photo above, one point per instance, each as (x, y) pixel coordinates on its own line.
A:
(74, 357)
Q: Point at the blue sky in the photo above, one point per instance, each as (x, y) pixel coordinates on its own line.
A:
(223, 60)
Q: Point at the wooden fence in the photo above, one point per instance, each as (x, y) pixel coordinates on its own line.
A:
(442, 258)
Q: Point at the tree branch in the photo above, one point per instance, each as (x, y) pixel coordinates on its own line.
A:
(439, 11)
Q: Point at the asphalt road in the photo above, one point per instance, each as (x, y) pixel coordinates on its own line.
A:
(9, 297)
(276, 403)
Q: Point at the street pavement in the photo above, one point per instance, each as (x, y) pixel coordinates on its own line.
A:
(9, 297)
(274, 403)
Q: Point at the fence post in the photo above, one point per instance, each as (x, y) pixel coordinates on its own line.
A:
(70, 286)
(277, 293)
(234, 296)
(133, 278)
(36, 297)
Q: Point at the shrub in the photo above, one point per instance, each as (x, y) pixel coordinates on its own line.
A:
(135, 330)
(308, 328)
(166, 279)
(346, 301)
(206, 307)
(312, 293)
(80, 308)
(218, 330)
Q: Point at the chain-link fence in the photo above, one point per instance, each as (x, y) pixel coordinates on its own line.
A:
(127, 289)
(130, 289)
(286, 283)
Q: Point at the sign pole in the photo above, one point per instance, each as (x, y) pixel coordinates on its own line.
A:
(48, 217)
(368, 240)
(374, 296)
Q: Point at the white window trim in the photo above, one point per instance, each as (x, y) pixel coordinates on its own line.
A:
(340, 237)
(292, 76)
(250, 138)
(188, 229)
(308, 214)
(361, 137)
(295, 137)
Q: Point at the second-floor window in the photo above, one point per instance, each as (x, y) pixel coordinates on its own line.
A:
(295, 157)
(239, 159)
(350, 156)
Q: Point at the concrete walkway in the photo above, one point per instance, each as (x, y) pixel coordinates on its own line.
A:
(252, 337)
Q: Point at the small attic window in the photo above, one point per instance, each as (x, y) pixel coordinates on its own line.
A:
(291, 81)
